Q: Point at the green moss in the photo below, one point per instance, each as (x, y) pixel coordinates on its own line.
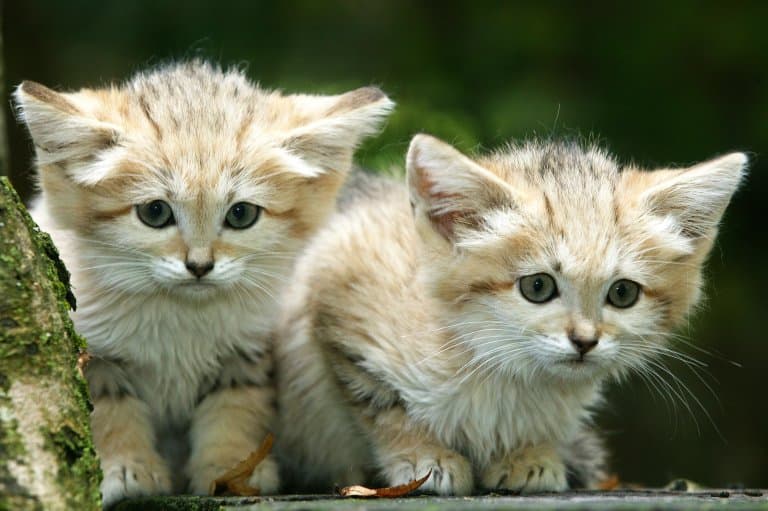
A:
(38, 341)
(20, 503)
(78, 465)
(11, 445)
(177, 503)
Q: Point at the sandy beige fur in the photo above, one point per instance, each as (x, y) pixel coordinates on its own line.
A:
(406, 345)
(181, 376)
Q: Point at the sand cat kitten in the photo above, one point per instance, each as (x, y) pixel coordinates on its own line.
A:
(178, 201)
(464, 324)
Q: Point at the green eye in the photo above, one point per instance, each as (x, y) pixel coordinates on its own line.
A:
(242, 215)
(155, 214)
(623, 293)
(538, 288)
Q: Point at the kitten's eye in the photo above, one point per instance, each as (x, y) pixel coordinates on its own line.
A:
(155, 214)
(538, 288)
(242, 215)
(623, 293)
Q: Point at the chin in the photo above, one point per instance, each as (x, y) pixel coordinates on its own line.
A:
(574, 369)
(198, 291)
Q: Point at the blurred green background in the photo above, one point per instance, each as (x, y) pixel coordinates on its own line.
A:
(658, 82)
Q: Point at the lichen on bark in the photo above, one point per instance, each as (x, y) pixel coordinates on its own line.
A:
(47, 460)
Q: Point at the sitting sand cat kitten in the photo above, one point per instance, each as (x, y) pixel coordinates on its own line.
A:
(178, 201)
(464, 325)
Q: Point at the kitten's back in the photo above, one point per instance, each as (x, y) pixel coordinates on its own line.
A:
(365, 247)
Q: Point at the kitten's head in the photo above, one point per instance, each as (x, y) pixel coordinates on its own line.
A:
(550, 259)
(191, 179)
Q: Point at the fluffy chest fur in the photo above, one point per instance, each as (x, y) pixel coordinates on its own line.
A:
(172, 351)
(484, 415)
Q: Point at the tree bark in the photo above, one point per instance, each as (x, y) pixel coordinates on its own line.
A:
(47, 459)
(4, 156)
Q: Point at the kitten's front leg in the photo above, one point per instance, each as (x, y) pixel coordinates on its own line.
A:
(230, 423)
(125, 441)
(406, 451)
(528, 469)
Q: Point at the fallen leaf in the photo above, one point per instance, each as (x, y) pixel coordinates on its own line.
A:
(234, 480)
(82, 361)
(389, 492)
(610, 483)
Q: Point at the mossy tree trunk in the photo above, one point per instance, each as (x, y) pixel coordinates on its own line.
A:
(46, 455)
(4, 165)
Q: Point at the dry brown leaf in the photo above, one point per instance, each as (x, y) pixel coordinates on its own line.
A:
(609, 483)
(389, 492)
(240, 488)
(234, 480)
(82, 361)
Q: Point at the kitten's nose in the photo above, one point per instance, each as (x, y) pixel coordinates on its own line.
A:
(199, 261)
(198, 269)
(583, 345)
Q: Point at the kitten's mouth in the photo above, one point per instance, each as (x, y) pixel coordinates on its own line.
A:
(197, 285)
(578, 360)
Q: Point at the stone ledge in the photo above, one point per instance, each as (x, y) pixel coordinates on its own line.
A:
(578, 500)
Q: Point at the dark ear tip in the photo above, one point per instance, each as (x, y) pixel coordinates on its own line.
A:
(34, 89)
(43, 94)
(369, 94)
(359, 98)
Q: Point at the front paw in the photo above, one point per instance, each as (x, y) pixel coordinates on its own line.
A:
(264, 477)
(527, 470)
(133, 477)
(451, 472)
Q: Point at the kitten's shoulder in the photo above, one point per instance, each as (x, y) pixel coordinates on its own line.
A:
(369, 239)
(364, 185)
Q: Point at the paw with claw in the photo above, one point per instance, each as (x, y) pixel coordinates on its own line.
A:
(131, 476)
(527, 470)
(451, 472)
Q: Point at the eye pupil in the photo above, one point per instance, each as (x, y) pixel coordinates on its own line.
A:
(155, 209)
(538, 288)
(156, 214)
(242, 215)
(624, 293)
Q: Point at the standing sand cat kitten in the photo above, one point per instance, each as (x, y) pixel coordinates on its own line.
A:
(468, 332)
(178, 201)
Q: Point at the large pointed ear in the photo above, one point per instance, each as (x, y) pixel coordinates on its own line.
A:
(61, 131)
(693, 200)
(339, 125)
(449, 189)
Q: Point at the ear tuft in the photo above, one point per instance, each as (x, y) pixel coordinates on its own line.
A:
(329, 141)
(45, 95)
(695, 198)
(359, 98)
(451, 190)
(60, 130)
